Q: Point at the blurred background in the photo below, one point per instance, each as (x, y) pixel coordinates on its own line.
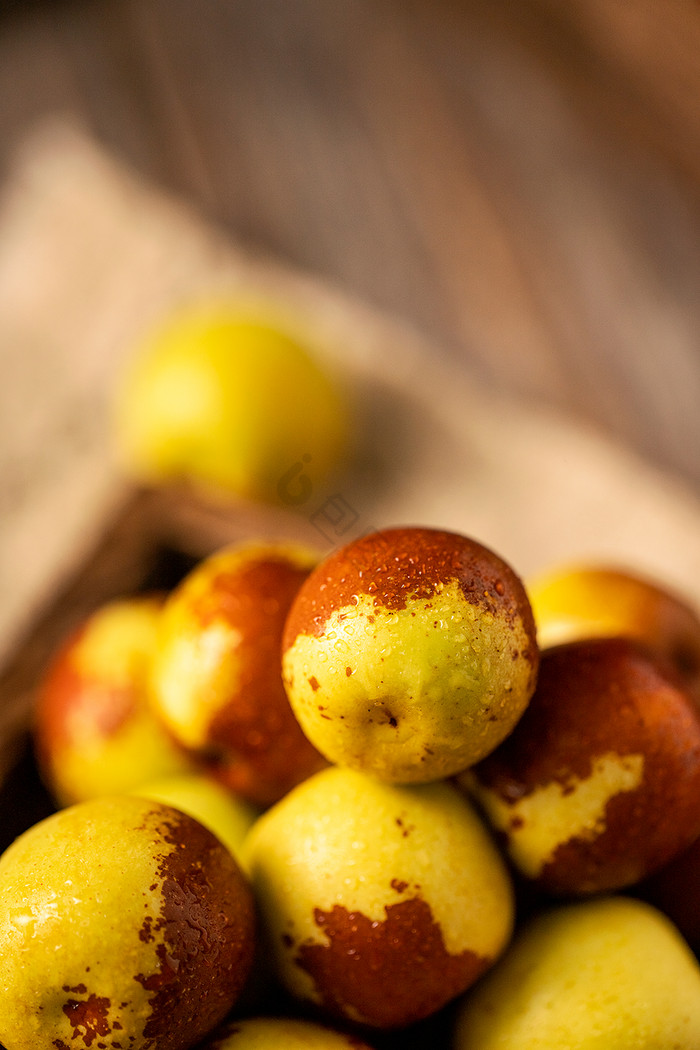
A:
(519, 180)
(513, 186)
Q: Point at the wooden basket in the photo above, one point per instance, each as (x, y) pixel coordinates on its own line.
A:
(157, 536)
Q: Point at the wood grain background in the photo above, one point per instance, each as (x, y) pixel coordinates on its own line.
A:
(521, 180)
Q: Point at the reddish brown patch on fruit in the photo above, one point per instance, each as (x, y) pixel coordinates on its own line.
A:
(398, 566)
(147, 932)
(406, 829)
(206, 923)
(88, 1018)
(392, 972)
(399, 885)
(313, 682)
(72, 705)
(260, 586)
(255, 744)
(594, 698)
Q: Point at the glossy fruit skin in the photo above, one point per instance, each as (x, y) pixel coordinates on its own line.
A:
(380, 903)
(599, 783)
(224, 396)
(275, 1033)
(599, 601)
(94, 728)
(216, 680)
(611, 972)
(229, 817)
(121, 921)
(410, 654)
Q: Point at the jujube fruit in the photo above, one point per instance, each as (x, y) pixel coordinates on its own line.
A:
(410, 654)
(379, 902)
(123, 922)
(611, 972)
(599, 783)
(95, 730)
(227, 397)
(572, 602)
(216, 678)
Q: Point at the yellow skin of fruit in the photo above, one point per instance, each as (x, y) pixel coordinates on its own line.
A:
(344, 839)
(451, 674)
(230, 818)
(587, 601)
(92, 756)
(539, 822)
(216, 674)
(275, 1033)
(221, 395)
(80, 922)
(606, 974)
(195, 668)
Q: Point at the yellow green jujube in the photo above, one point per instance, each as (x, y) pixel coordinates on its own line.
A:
(122, 920)
(410, 654)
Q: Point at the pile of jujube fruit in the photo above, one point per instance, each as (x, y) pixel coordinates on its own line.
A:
(387, 794)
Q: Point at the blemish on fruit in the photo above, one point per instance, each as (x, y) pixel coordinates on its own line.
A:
(191, 925)
(444, 557)
(313, 682)
(88, 1017)
(399, 885)
(390, 947)
(146, 933)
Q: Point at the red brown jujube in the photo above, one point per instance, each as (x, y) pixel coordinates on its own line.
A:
(410, 654)
(599, 784)
(217, 676)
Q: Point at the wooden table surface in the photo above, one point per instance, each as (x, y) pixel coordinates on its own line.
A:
(521, 181)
